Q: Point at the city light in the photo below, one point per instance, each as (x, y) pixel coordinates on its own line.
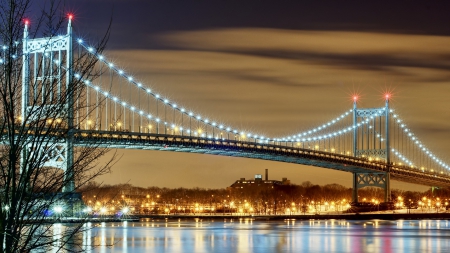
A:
(58, 209)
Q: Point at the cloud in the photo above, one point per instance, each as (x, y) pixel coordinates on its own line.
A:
(360, 50)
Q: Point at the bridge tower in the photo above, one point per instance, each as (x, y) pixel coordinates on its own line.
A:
(46, 81)
(371, 141)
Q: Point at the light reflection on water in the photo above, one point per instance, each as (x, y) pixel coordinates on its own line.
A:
(269, 236)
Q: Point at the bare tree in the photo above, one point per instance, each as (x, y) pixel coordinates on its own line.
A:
(40, 91)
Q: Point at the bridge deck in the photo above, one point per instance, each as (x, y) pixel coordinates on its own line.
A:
(257, 151)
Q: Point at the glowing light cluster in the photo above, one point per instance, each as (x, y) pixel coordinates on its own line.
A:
(58, 209)
(3, 60)
(418, 143)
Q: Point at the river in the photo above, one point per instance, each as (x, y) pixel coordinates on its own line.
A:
(245, 235)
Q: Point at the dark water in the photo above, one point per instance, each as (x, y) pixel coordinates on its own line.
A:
(270, 236)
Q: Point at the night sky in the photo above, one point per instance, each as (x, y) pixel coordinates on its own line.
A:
(275, 67)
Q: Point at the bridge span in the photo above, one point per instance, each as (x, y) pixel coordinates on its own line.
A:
(107, 107)
(263, 151)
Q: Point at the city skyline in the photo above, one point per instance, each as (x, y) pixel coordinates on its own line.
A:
(277, 74)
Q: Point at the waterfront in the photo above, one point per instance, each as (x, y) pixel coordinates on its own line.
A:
(247, 235)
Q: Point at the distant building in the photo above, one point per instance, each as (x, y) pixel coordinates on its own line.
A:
(258, 182)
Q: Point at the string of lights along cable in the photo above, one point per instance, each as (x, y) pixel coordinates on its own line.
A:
(116, 102)
(154, 113)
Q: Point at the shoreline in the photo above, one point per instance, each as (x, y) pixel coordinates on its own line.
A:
(351, 216)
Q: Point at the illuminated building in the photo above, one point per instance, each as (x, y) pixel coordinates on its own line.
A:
(258, 182)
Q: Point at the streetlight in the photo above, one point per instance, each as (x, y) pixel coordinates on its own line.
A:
(224, 205)
(87, 209)
(58, 210)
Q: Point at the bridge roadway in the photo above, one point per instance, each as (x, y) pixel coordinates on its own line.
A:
(271, 152)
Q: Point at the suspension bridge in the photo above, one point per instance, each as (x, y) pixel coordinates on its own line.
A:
(117, 111)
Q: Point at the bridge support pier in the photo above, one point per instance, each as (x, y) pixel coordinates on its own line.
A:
(57, 154)
(387, 188)
(361, 180)
(355, 188)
